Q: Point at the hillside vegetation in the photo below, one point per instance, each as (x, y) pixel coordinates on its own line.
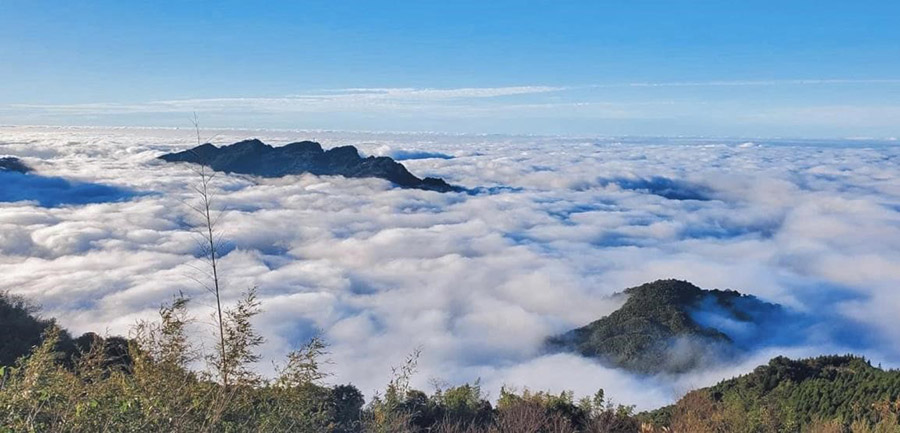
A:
(144, 385)
(150, 388)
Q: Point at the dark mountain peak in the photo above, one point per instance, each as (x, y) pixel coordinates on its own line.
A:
(204, 151)
(251, 145)
(257, 158)
(666, 325)
(10, 163)
(346, 153)
(304, 147)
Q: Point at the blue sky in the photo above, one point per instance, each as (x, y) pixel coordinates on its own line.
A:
(754, 68)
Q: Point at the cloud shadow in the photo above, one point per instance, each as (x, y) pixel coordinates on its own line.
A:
(56, 191)
(662, 186)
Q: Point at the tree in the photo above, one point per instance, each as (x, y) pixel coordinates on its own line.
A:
(209, 246)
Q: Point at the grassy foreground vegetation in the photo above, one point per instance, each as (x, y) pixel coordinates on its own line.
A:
(147, 385)
(152, 389)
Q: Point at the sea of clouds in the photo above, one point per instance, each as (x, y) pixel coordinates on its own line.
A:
(477, 280)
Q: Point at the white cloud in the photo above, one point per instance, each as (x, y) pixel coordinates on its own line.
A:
(478, 281)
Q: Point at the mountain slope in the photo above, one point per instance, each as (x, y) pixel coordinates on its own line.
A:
(21, 329)
(659, 328)
(257, 158)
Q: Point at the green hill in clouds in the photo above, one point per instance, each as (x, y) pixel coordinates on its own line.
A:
(657, 329)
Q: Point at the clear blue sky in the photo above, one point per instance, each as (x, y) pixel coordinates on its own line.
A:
(736, 68)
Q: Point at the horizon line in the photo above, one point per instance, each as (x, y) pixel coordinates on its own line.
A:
(889, 139)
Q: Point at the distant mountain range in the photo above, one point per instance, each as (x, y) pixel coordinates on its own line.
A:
(257, 158)
(668, 326)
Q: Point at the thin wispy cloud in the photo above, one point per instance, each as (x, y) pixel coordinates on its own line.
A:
(398, 98)
(742, 83)
(430, 94)
(455, 108)
(337, 99)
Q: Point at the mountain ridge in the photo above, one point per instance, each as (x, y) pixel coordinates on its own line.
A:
(254, 157)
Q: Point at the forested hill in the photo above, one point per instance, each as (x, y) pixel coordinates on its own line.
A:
(828, 392)
(658, 328)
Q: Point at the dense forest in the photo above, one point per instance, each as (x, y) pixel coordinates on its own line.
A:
(91, 384)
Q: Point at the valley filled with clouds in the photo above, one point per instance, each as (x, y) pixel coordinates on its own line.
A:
(101, 234)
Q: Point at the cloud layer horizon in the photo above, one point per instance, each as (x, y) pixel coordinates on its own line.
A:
(477, 281)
